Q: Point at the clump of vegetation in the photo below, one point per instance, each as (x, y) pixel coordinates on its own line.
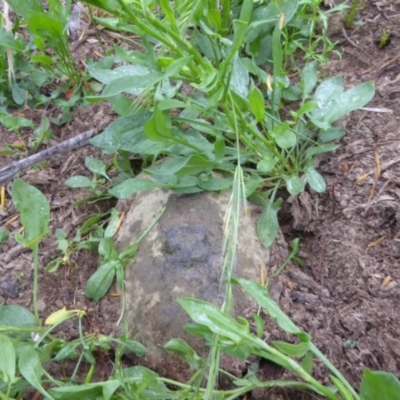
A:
(241, 115)
(355, 7)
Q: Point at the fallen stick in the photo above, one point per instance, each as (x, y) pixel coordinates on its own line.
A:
(14, 168)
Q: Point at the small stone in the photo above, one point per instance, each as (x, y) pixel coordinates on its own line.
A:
(10, 287)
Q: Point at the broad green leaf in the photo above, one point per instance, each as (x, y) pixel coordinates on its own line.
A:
(34, 210)
(147, 385)
(106, 76)
(135, 347)
(309, 78)
(7, 357)
(155, 135)
(292, 93)
(379, 385)
(331, 134)
(176, 66)
(7, 40)
(79, 181)
(96, 166)
(130, 186)
(31, 369)
(334, 103)
(266, 164)
(16, 316)
(182, 166)
(127, 133)
(240, 79)
(285, 139)
(122, 104)
(261, 296)
(267, 225)
(215, 184)
(180, 347)
(44, 26)
(293, 350)
(100, 282)
(108, 249)
(324, 148)
(19, 94)
(207, 314)
(315, 179)
(307, 107)
(257, 104)
(128, 83)
(295, 185)
(88, 391)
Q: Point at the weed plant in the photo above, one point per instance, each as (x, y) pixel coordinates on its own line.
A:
(211, 92)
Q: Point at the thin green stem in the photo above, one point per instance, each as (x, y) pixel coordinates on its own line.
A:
(36, 281)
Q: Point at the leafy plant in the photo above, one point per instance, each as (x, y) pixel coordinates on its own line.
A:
(231, 103)
(34, 212)
(355, 7)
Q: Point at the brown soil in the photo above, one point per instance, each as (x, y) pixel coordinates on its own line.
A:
(346, 297)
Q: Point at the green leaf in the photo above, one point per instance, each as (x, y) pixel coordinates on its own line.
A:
(261, 296)
(260, 326)
(108, 249)
(135, 347)
(182, 166)
(277, 53)
(240, 79)
(180, 347)
(306, 108)
(88, 391)
(130, 186)
(79, 181)
(267, 225)
(324, 148)
(207, 314)
(7, 357)
(122, 104)
(126, 133)
(30, 367)
(129, 83)
(96, 166)
(7, 40)
(334, 103)
(294, 184)
(4, 235)
(379, 385)
(309, 77)
(315, 180)
(16, 316)
(33, 208)
(214, 183)
(285, 139)
(257, 104)
(293, 350)
(266, 164)
(307, 362)
(331, 134)
(100, 282)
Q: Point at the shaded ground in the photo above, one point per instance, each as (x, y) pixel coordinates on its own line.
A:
(347, 296)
